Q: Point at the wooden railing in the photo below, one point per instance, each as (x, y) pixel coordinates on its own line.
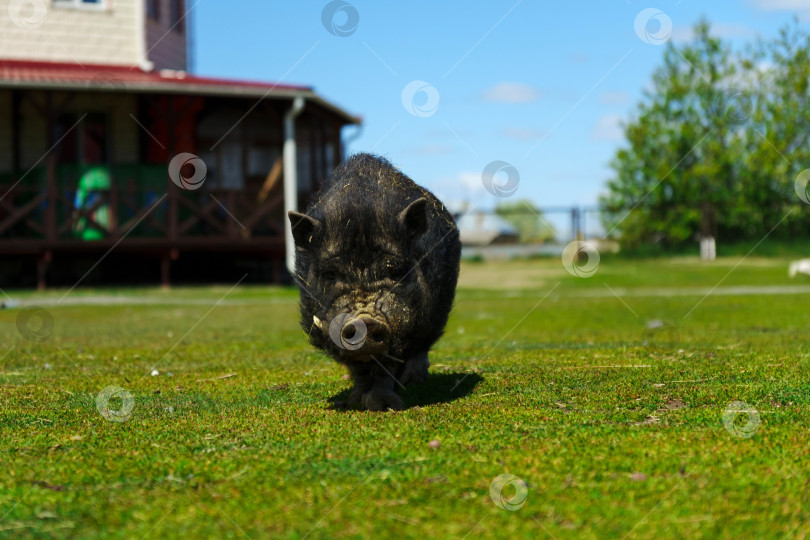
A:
(35, 210)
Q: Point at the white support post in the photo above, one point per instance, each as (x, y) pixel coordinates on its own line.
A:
(290, 178)
(708, 248)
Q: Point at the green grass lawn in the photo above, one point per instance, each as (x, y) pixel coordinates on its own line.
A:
(605, 395)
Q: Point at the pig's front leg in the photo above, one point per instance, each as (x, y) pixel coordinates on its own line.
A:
(363, 379)
(415, 370)
(382, 396)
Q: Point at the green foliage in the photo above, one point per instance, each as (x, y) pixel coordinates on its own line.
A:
(527, 219)
(715, 146)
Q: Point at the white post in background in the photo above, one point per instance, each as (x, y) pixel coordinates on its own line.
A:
(708, 248)
(290, 178)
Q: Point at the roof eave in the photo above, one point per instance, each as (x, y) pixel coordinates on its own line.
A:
(190, 88)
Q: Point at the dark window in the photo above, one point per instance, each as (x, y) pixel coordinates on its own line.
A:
(84, 143)
(177, 15)
(80, 3)
(94, 139)
(68, 149)
(153, 9)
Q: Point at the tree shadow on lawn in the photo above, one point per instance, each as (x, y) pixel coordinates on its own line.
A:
(439, 388)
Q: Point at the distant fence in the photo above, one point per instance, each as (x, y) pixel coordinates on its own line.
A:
(527, 232)
(584, 222)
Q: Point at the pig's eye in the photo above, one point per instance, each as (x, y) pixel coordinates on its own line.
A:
(329, 275)
(396, 271)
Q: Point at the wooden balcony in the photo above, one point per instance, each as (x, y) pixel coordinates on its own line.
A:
(95, 209)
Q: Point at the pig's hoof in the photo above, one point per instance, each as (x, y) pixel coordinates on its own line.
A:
(375, 400)
(356, 397)
(415, 370)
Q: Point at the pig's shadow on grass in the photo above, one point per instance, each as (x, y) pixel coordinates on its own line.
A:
(439, 388)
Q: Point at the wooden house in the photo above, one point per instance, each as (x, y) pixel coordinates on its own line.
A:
(115, 162)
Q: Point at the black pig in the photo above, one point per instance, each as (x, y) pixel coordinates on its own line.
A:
(377, 260)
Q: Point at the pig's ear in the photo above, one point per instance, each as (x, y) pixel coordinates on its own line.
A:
(304, 228)
(414, 217)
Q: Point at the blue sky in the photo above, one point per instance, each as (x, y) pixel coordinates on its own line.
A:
(539, 85)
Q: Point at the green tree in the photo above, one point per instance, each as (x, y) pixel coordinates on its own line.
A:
(703, 149)
(778, 139)
(527, 219)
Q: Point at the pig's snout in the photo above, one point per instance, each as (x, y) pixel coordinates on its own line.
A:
(364, 335)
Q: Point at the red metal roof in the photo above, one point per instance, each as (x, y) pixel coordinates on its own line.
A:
(64, 72)
(73, 76)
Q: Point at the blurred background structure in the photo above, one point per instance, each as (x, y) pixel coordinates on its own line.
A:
(679, 130)
(94, 104)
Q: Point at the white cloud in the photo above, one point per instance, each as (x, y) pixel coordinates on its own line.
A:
(608, 128)
(683, 34)
(522, 134)
(465, 186)
(800, 7)
(614, 98)
(782, 5)
(509, 92)
(470, 181)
